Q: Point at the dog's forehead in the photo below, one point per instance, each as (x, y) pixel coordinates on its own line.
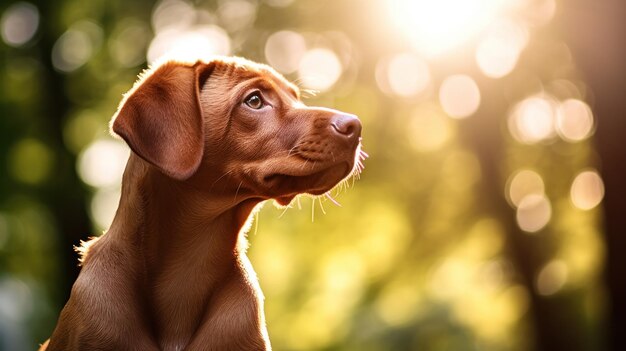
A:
(243, 70)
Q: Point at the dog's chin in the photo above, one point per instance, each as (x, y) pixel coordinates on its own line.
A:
(285, 200)
(283, 188)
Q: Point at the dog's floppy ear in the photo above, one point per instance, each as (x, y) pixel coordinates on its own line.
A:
(161, 120)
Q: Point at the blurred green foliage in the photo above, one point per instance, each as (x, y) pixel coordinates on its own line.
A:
(424, 252)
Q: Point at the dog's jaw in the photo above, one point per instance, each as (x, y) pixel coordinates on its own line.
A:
(285, 184)
(317, 183)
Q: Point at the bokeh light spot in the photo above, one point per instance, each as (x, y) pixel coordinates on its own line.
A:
(237, 14)
(102, 163)
(189, 44)
(80, 129)
(30, 161)
(459, 96)
(16, 300)
(172, 14)
(319, 69)
(552, 277)
(574, 120)
(498, 52)
(76, 46)
(587, 190)
(407, 75)
(128, 42)
(523, 183)
(284, 50)
(533, 212)
(19, 23)
(532, 120)
(104, 204)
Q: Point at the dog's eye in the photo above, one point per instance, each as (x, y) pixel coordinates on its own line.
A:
(254, 101)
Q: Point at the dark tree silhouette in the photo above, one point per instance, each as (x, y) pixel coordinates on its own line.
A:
(595, 31)
(70, 214)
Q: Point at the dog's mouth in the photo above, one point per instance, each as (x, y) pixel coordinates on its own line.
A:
(295, 177)
(286, 178)
(288, 185)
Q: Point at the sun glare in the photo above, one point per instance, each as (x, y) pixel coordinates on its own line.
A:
(434, 27)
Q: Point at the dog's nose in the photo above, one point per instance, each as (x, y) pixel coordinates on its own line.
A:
(348, 126)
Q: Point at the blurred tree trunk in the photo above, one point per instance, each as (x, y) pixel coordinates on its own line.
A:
(66, 198)
(555, 324)
(596, 33)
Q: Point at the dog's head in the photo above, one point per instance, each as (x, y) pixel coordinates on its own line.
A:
(233, 125)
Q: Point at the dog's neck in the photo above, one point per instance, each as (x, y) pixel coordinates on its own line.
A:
(187, 241)
(156, 209)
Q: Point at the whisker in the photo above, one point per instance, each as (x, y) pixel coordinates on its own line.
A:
(237, 192)
(343, 186)
(218, 179)
(298, 82)
(332, 199)
(308, 93)
(337, 191)
(312, 209)
(292, 149)
(284, 211)
(311, 91)
(321, 206)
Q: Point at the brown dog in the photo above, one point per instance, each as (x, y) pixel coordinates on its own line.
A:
(210, 141)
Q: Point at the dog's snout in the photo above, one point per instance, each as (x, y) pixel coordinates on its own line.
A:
(348, 126)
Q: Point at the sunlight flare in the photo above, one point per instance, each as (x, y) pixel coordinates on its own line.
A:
(435, 27)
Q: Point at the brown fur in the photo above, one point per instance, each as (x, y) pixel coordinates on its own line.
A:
(171, 272)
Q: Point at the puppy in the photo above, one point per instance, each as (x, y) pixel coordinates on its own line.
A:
(210, 140)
